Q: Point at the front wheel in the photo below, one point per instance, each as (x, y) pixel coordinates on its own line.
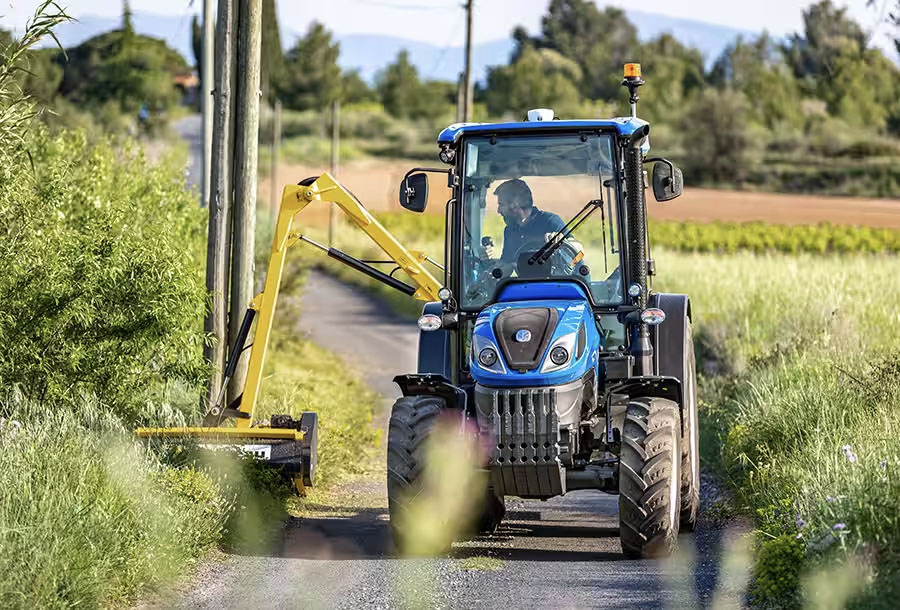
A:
(650, 478)
(434, 487)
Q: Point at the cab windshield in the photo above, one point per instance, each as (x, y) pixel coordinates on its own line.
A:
(517, 192)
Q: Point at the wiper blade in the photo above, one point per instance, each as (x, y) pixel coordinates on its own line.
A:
(553, 244)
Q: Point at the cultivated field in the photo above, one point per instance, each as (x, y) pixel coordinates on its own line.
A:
(375, 182)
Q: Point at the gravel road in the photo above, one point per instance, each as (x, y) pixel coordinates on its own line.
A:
(563, 553)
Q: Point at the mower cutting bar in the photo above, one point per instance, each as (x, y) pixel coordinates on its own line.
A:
(224, 433)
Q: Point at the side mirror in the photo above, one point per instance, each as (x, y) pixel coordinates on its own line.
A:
(414, 192)
(667, 180)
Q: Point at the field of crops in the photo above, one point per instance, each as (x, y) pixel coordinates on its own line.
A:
(716, 237)
(800, 386)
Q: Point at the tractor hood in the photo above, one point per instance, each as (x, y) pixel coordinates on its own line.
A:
(512, 343)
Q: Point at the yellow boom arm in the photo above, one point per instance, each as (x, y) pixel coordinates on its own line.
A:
(294, 199)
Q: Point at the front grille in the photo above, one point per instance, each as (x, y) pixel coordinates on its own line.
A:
(525, 428)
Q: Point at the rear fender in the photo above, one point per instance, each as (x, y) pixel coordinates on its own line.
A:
(668, 338)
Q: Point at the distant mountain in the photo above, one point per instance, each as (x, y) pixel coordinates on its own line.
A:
(369, 53)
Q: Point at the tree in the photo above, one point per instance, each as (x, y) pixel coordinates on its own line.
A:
(129, 69)
(127, 21)
(272, 56)
(722, 146)
(828, 34)
(354, 89)
(311, 79)
(673, 71)
(598, 41)
(757, 69)
(398, 85)
(197, 45)
(404, 95)
(539, 78)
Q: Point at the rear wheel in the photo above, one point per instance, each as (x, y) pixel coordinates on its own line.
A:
(649, 478)
(690, 442)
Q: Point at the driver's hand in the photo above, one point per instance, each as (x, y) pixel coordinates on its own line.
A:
(491, 251)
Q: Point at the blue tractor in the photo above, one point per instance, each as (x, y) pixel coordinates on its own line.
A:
(572, 371)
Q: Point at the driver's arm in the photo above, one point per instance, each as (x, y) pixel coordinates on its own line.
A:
(508, 253)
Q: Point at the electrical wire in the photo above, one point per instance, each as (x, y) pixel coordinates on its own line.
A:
(410, 7)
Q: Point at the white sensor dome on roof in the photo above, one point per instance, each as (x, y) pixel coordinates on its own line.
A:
(540, 114)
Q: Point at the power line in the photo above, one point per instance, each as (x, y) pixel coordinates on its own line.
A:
(409, 7)
(443, 55)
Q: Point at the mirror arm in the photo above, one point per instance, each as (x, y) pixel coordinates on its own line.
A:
(434, 170)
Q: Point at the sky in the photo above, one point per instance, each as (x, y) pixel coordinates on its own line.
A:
(442, 22)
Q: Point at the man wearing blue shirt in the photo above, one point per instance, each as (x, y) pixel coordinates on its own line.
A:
(524, 222)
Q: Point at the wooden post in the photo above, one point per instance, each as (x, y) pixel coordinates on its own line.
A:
(246, 148)
(276, 146)
(335, 160)
(206, 93)
(219, 244)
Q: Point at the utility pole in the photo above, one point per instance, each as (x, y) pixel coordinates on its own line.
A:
(219, 244)
(467, 84)
(206, 93)
(335, 159)
(246, 148)
(276, 146)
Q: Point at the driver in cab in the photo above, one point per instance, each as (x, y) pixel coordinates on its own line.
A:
(524, 222)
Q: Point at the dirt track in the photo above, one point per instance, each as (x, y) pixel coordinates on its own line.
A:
(376, 182)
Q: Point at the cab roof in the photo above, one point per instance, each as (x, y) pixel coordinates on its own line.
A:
(624, 126)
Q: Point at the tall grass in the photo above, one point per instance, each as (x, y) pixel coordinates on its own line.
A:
(89, 518)
(800, 397)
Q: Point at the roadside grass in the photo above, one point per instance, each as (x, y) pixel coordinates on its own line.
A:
(88, 517)
(95, 517)
(800, 395)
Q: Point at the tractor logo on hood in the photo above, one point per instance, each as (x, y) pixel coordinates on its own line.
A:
(523, 335)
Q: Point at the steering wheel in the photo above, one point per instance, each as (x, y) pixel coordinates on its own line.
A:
(491, 271)
(560, 262)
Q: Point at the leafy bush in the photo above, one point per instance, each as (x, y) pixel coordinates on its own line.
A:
(102, 292)
(779, 563)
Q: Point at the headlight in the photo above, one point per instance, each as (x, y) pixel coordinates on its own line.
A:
(487, 357)
(430, 322)
(559, 355)
(653, 316)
